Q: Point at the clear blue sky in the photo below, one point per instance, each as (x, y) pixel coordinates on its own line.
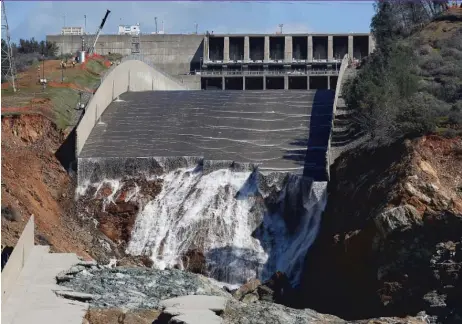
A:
(37, 19)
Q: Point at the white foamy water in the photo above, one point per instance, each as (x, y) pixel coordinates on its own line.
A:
(246, 224)
(223, 215)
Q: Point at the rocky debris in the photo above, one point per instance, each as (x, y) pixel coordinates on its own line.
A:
(83, 297)
(87, 264)
(114, 210)
(131, 295)
(193, 309)
(134, 261)
(264, 312)
(390, 242)
(247, 289)
(397, 219)
(139, 288)
(117, 221)
(394, 320)
(11, 214)
(194, 261)
(80, 267)
(277, 289)
(120, 316)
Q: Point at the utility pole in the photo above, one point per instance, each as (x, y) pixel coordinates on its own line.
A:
(8, 64)
(196, 25)
(85, 17)
(155, 20)
(44, 84)
(62, 55)
(280, 26)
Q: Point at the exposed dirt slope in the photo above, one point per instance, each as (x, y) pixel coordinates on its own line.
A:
(34, 182)
(390, 242)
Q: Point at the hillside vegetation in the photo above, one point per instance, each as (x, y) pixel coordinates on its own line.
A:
(412, 84)
(59, 99)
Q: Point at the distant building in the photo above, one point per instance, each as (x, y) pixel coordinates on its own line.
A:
(129, 30)
(72, 31)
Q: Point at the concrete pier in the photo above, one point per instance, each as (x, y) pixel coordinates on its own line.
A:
(330, 48)
(310, 48)
(288, 55)
(350, 46)
(205, 50)
(266, 50)
(246, 49)
(226, 50)
(217, 55)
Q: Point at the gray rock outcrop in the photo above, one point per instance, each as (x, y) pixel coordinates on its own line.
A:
(138, 287)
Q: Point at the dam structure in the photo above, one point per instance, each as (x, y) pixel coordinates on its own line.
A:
(237, 61)
(243, 173)
(284, 131)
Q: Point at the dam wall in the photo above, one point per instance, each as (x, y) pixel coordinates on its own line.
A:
(237, 61)
(130, 76)
(159, 131)
(174, 54)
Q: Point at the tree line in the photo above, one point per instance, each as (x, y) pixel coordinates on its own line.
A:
(26, 53)
(407, 87)
(32, 46)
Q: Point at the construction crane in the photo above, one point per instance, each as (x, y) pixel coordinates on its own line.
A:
(91, 49)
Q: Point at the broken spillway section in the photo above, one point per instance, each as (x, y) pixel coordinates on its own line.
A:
(228, 221)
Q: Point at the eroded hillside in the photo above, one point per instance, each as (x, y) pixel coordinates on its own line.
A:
(35, 183)
(390, 242)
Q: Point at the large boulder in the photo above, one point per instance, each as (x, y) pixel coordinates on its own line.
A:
(397, 219)
(276, 289)
(248, 288)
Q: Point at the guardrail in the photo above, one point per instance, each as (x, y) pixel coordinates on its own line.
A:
(223, 73)
(17, 259)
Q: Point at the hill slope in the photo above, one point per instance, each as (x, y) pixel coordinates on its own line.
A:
(390, 242)
(411, 86)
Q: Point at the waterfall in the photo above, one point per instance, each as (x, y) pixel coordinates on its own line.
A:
(245, 224)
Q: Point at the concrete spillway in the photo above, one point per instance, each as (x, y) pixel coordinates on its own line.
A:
(202, 147)
(278, 130)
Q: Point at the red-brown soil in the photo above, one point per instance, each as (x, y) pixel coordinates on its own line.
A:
(34, 182)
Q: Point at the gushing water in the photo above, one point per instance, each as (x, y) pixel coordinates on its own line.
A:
(246, 224)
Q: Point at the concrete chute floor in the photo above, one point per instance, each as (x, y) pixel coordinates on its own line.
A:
(34, 300)
(274, 128)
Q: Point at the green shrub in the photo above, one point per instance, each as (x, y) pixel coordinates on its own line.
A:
(407, 87)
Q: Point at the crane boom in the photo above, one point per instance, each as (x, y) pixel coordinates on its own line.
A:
(98, 32)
